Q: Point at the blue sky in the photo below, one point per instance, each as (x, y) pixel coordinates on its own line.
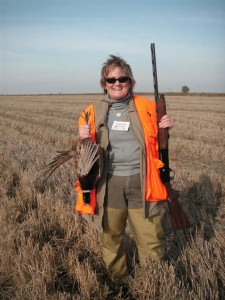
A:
(52, 46)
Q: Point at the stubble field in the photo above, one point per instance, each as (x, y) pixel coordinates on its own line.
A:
(47, 252)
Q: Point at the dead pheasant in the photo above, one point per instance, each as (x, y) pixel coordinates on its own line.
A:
(88, 163)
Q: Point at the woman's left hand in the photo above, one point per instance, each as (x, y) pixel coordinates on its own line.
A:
(166, 122)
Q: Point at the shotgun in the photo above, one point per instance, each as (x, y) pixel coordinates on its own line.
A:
(178, 218)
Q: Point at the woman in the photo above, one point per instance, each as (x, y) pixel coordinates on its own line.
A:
(130, 188)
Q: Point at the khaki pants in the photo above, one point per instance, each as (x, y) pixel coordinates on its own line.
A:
(147, 232)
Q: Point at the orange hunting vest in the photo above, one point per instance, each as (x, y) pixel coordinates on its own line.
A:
(155, 189)
(82, 207)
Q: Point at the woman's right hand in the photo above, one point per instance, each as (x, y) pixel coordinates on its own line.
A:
(85, 131)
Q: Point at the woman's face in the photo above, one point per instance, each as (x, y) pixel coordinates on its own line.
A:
(117, 90)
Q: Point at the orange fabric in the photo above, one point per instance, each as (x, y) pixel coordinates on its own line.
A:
(155, 189)
(82, 207)
(81, 120)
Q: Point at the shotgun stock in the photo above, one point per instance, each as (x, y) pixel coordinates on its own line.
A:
(178, 218)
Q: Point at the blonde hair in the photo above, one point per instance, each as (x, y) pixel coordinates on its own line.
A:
(112, 62)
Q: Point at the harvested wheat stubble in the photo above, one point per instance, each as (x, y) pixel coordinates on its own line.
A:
(47, 252)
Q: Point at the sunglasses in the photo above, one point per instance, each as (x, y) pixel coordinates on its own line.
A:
(122, 79)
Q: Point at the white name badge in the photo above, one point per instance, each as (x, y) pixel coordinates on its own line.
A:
(119, 125)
